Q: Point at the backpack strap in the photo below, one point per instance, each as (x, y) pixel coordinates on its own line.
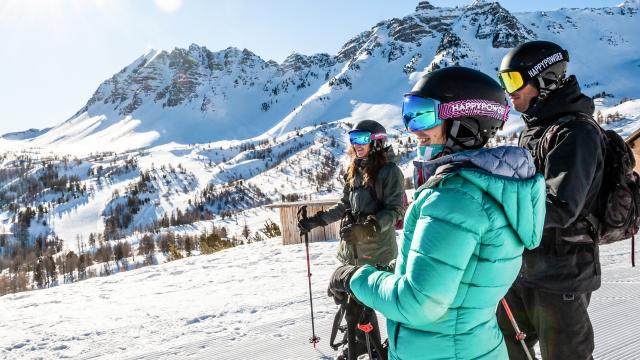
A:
(542, 147)
(337, 321)
(542, 150)
(377, 188)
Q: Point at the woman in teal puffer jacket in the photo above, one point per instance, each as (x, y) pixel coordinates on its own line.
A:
(473, 213)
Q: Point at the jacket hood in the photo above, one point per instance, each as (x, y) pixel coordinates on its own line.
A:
(566, 99)
(508, 175)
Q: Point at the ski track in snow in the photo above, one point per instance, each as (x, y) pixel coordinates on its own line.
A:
(248, 302)
(155, 308)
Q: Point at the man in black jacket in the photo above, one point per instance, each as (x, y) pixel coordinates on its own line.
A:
(550, 297)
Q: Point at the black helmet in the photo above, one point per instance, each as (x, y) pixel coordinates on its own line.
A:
(371, 126)
(541, 63)
(455, 85)
(375, 128)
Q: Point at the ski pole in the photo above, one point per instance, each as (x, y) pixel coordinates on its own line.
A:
(633, 247)
(520, 336)
(352, 325)
(302, 214)
(373, 341)
(367, 328)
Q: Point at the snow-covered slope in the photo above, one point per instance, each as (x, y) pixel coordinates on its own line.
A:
(249, 302)
(45, 195)
(224, 295)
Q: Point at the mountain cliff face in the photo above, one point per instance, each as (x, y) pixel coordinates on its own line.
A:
(24, 135)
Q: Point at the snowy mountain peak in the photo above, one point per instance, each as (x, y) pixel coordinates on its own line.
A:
(165, 92)
(480, 3)
(424, 6)
(635, 4)
(297, 62)
(493, 21)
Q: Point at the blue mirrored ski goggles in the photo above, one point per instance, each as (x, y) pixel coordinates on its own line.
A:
(420, 113)
(360, 137)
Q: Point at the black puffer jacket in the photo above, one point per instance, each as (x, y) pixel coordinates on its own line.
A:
(567, 260)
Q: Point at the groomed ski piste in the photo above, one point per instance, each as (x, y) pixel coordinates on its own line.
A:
(248, 302)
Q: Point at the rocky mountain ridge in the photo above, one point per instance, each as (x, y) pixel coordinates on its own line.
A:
(196, 95)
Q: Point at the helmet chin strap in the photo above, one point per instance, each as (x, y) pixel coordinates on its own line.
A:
(377, 145)
(544, 90)
(454, 145)
(451, 145)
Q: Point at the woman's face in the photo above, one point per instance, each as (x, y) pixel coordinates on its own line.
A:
(362, 150)
(431, 136)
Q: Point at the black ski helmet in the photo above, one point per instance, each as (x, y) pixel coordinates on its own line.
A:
(540, 63)
(373, 127)
(460, 83)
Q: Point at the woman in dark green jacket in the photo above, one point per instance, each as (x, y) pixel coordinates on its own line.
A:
(372, 203)
(373, 198)
(474, 212)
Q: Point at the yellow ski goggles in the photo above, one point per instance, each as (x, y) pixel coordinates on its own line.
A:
(511, 81)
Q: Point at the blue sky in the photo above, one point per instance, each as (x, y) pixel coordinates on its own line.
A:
(55, 53)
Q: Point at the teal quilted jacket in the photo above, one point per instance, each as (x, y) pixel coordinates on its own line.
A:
(460, 252)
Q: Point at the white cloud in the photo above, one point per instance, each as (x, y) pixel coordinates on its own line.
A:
(386, 114)
(168, 5)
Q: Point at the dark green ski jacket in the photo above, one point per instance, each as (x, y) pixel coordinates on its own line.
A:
(388, 209)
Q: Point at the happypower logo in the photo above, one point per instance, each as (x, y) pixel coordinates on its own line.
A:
(473, 107)
(545, 63)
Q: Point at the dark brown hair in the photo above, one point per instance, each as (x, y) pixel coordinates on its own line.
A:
(375, 161)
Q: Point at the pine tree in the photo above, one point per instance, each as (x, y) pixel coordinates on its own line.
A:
(71, 263)
(188, 245)
(38, 274)
(246, 233)
(84, 260)
(210, 243)
(174, 253)
(50, 268)
(146, 248)
(271, 229)
(118, 254)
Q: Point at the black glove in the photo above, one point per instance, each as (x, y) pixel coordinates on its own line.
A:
(339, 285)
(391, 267)
(307, 224)
(352, 233)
